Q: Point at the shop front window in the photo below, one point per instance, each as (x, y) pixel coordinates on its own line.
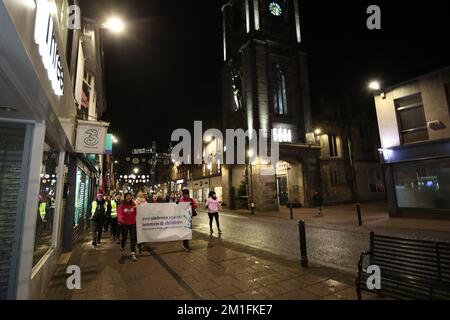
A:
(423, 184)
(82, 197)
(46, 203)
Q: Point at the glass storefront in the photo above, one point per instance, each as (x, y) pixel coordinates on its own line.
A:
(46, 203)
(82, 197)
(424, 184)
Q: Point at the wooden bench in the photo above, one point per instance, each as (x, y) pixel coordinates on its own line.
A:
(410, 269)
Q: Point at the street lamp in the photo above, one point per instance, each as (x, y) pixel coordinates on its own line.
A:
(375, 85)
(114, 24)
(136, 170)
(250, 154)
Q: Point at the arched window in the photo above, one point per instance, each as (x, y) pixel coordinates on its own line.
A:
(280, 102)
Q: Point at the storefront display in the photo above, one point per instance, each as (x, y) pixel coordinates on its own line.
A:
(424, 184)
(46, 203)
(82, 197)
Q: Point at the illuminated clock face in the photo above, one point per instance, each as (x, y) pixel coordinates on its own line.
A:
(275, 9)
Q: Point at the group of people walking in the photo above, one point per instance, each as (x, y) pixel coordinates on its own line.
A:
(119, 214)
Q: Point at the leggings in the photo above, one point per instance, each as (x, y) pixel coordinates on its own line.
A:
(133, 236)
(212, 216)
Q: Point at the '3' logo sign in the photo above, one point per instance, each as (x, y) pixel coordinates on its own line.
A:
(92, 138)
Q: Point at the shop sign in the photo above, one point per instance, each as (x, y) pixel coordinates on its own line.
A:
(91, 137)
(45, 38)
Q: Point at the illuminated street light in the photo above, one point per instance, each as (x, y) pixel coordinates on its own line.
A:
(136, 170)
(374, 85)
(114, 24)
(318, 131)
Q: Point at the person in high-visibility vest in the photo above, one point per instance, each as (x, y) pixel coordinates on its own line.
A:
(98, 214)
(43, 213)
(107, 220)
(115, 203)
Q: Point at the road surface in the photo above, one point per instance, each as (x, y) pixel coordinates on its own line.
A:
(334, 248)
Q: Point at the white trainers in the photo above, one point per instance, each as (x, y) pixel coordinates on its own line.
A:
(133, 257)
(122, 252)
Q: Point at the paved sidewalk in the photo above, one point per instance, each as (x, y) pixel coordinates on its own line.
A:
(213, 270)
(374, 214)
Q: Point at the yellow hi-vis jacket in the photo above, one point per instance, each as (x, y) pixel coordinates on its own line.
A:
(94, 207)
(113, 209)
(43, 210)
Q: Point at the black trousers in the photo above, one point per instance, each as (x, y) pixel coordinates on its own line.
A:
(114, 228)
(212, 216)
(97, 231)
(106, 224)
(133, 236)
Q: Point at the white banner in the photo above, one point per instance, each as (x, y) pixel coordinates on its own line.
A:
(164, 222)
(91, 137)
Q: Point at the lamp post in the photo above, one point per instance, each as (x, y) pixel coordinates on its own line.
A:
(250, 164)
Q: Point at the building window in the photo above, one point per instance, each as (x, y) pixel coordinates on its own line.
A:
(412, 122)
(282, 135)
(280, 102)
(376, 184)
(424, 184)
(333, 146)
(46, 203)
(337, 177)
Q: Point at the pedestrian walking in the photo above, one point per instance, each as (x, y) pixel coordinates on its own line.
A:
(127, 219)
(141, 199)
(212, 204)
(98, 212)
(108, 214)
(318, 202)
(115, 203)
(187, 198)
(172, 198)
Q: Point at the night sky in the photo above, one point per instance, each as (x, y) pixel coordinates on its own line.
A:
(164, 72)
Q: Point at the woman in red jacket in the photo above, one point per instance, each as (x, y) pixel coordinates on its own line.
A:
(127, 219)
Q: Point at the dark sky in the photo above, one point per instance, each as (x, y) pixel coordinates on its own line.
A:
(164, 73)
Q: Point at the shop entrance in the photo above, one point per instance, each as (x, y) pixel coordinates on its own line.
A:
(290, 183)
(283, 191)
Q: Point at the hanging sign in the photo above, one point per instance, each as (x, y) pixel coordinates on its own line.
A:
(91, 137)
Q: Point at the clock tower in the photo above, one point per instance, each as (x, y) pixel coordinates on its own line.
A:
(266, 87)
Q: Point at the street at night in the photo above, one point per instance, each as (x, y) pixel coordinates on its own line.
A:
(190, 152)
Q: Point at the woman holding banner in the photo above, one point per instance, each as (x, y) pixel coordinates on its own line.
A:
(127, 220)
(187, 198)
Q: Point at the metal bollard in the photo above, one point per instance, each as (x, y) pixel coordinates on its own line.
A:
(358, 209)
(291, 211)
(303, 248)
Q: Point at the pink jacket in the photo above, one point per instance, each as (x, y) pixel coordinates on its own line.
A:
(213, 205)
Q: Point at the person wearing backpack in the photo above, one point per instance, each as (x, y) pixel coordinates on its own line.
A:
(187, 198)
(98, 215)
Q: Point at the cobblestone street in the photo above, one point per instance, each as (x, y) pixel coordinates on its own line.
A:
(213, 269)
